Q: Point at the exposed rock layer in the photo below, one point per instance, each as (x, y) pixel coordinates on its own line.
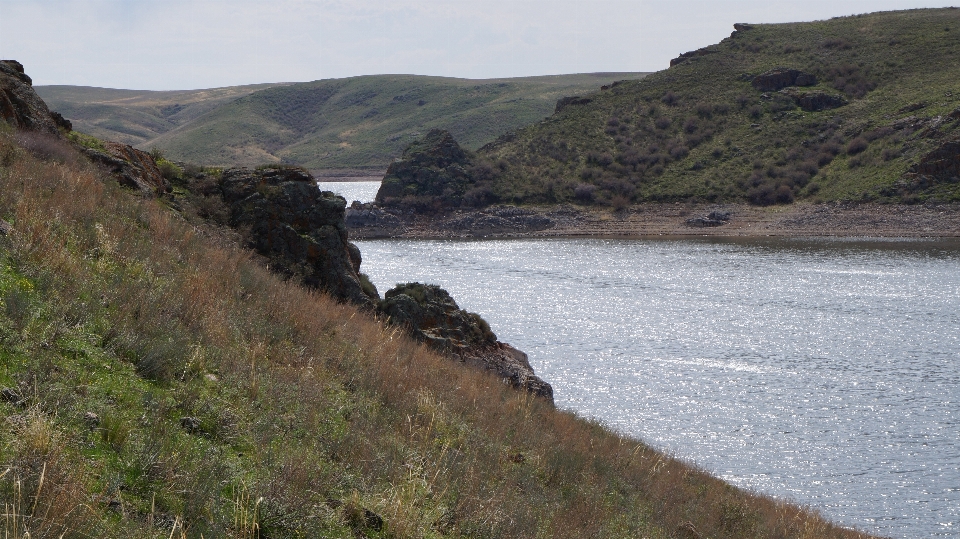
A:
(433, 169)
(432, 316)
(131, 167)
(285, 217)
(20, 106)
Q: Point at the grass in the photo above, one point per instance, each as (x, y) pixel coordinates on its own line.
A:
(170, 386)
(358, 122)
(700, 131)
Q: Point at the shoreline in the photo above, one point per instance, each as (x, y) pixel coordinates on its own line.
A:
(868, 220)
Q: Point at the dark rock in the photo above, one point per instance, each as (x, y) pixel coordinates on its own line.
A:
(131, 167)
(284, 216)
(742, 27)
(373, 220)
(779, 78)
(942, 165)
(61, 122)
(814, 101)
(361, 518)
(498, 220)
(91, 419)
(12, 396)
(913, 106)
(20, 106)
(565, 102)
(433, 317)
(718, 215)
(692, 54)
(190, 424)
(715, 218)
(6, 228)
(431, 174)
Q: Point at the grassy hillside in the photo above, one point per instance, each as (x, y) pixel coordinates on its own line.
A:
(701, 130)
(157, 381)
(136, 117)
(337, 123)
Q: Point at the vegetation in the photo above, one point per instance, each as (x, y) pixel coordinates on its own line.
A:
(356, 122)
(158, 381)
(884, 96)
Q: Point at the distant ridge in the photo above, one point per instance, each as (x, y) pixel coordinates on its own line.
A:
(357, 122)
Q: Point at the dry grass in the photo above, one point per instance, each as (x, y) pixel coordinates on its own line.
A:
(312, 416)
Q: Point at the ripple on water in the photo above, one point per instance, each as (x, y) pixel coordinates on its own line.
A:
(826, 372)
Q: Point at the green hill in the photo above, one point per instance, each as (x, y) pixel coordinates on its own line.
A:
(338, 123)
(871, 111)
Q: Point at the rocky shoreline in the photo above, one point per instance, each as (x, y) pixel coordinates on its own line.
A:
(367, 221)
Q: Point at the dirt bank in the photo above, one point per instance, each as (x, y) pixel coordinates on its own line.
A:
(873, 220)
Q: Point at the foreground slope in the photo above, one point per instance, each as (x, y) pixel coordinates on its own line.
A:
(335, 123)
(856, 108)
(158, 381)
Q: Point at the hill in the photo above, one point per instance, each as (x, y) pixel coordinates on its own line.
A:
(857, 108)
(327, 124)
(160, 381)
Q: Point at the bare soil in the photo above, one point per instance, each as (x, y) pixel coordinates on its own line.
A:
(680, 219)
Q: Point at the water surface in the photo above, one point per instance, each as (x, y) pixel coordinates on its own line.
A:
(822, 371)
(361, 191)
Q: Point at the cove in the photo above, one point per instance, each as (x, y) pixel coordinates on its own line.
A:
(824, 371)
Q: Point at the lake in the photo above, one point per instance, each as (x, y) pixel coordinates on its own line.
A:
(823, 371)
(360, 191)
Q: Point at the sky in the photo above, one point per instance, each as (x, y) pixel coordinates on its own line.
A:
(180, 45)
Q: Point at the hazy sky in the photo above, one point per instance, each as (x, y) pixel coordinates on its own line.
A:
(174, 44)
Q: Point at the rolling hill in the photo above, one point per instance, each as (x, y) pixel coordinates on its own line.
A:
(857, 108)
(337, 123)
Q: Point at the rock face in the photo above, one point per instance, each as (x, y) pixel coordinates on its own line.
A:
(374, 220)
(777, 79)
(131, 167)
(285, 217)
(432, 171)
(692, 54)
(20, 106)
(939, 166)
(432, 316)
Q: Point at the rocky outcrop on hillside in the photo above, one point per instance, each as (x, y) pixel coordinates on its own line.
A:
(282, 214)
(374, 220)
(570, 101)
(777, 79)
(131, 167)
(938, 166)
(20, 106)
(692, 54)
(433, 317)
(431, 174)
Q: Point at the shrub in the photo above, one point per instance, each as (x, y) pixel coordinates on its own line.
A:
(857, 145)
(584, 192)
(662, 122)
(755, 112)
(619, 202)
(670, 99)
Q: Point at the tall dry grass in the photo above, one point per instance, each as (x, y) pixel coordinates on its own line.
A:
(313, 415)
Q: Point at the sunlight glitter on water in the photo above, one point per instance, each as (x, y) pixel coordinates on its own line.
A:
(825, 372)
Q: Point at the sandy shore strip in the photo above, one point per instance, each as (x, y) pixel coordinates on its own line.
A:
(673, 219)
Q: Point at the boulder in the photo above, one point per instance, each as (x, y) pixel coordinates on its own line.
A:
(373, 221)
(432, 316)
(131, 167)
(942, 165)
(432, 171)
(20, 106)
(283, 215)
(779, 78)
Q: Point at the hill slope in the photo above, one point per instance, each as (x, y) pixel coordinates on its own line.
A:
(336, 123)
(865, 108)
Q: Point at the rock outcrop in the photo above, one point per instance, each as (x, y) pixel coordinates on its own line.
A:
(942, 165)
(131, 167)
(433, 317)
(432, 174)
(373, 220)
(284, 216)
(20, 106)
(692, 54)
(777, 79)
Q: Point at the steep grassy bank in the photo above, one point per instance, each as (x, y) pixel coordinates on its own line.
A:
(357, 122)
(157, 381)
(871, 100)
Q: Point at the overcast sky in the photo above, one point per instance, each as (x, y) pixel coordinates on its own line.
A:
(174, 44)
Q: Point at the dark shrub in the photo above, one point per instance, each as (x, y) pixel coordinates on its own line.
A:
(879, 133)
(889, 154)
(755, 112)
(44, 146)
(704, 110)
(670, 99)
(762, 195)
(619, 202)
(857, 145)
(690, 126)
(662, 122)
(584, 192)
(784, 195)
